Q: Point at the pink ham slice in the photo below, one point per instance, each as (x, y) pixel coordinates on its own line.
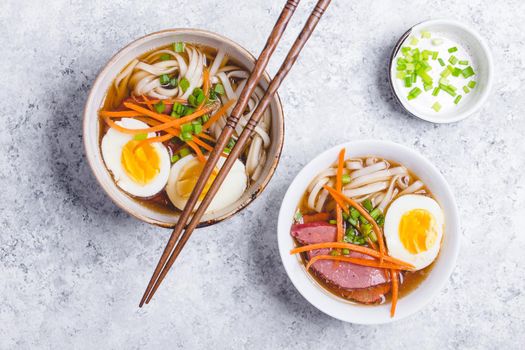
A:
(361, 283)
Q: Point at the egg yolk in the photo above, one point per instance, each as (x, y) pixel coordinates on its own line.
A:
(188, 179)
(142, 163)
(418, 230)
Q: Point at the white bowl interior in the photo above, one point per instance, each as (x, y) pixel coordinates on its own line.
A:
(341, 308)
(96, 98)
(480, 58)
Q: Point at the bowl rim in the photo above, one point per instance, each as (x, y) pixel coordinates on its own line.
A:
(137, 43)
(486, 89)
(301, 278)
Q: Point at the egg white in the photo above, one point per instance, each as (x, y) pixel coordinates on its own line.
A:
(112, 145)
(230, 191)
(393, 217)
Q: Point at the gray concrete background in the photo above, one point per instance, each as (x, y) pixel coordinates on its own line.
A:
(73, 266)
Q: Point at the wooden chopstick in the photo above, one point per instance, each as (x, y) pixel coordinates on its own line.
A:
(243, 139)
(251, 84)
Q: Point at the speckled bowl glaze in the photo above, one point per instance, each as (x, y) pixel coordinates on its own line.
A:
(480, 53)
(91, 127)
(341, 308)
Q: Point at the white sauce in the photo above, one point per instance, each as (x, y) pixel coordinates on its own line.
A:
(425, 100)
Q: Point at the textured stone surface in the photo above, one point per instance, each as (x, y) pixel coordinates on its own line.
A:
(73, 265)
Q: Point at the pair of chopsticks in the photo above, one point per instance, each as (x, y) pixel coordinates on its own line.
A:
(172, 250)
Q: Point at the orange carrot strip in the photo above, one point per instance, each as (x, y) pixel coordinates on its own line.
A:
(363, 212)
(220, 112)
(147, 101)
(168, 101)
(357, 261)
(205, 87)
(370, 243)
(119, 114)
(338, 187)
(197, 150)
(395, 291)
(206, 137)
(202, 143)
(353, 247)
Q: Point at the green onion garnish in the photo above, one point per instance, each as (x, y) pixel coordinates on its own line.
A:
(427, 87)
(205, 118)
(456, 72)
(436, 91)
(160, 107)
(367, 203)
(425, 34)
(414, 93)
(471, 84)
(332, 222)
(467, 72)
(140, 137)
(453, 59)
(345, 251)
(457, 99)
(186, 127)
(437, 41)
(441, 62)
(184, 84)
(197, 129)
(164, 79)
(219, 89)
(178, 47)
(436, 106)
(446, 72)
(174, 82)
(184, 152)
(463, 62)
(165, 57)
(186, 136)
(345, 179)
(435, 55)
(408, 81)
(414, 41)
(449, 89)
(466, 89)
(452, 49)
(175, 158)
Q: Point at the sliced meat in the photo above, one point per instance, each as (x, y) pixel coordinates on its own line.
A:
(361, 283)
(314, 232)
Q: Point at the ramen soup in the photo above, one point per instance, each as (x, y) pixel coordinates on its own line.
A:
(161, 118)
(368, 230)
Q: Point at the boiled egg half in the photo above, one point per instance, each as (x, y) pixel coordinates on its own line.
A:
(140, 170)
(414, 229)
(185, 173)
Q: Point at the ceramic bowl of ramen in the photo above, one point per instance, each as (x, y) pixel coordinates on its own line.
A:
(368, 232)
(155, 112)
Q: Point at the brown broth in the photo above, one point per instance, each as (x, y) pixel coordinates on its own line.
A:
(159, 202)
(411, 280)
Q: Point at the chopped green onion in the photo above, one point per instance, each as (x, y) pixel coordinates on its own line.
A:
(471, 84)
(436, 91)
(408, 81)
(174, 82)
(352, 222)
(192, 100)
(140, 137)
(186, 127)
(463, 62)
(332, 222)
(197, 129)
(449, 89)
(435, 55)
(160, 107)
(446, 72)
(178, 47)
(380, 221)
(231, 143)
(414, 41)
(441, 62)
(367, 203)
(466, 89)
(436, 106)
(184, 152)
(452, 49)
(425, 34)
(334, 252)
(165, 57)
(345, 251)
(298, 216)
(414, 93)
(184, 84)
(453, 59)
(219, 89)
(456, 72)
(467, 72)
(186, 136)
(437, 41)
(400, 75)
(205, 118)
(345, 179)
(457, 99)
(375, 213)
(354, 213)
(164, 79)
(175, 158)
(188, 110)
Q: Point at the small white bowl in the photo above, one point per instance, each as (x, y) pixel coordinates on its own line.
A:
(91, 127)
(339, 307)
(480, 53)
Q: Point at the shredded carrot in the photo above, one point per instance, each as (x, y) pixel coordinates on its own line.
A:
(153, 122)
(120, 114)
(154, 139)
(205, 87)
(202, 143)
(148, 102)
(206, 137)
(357, 261)
(371, 243)
(395, 291)
(158, 116)
(316, 217)
(197, 150)
(363, 212)
(352, 247)
(338, 187)
(220, 112)
(168, 101)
